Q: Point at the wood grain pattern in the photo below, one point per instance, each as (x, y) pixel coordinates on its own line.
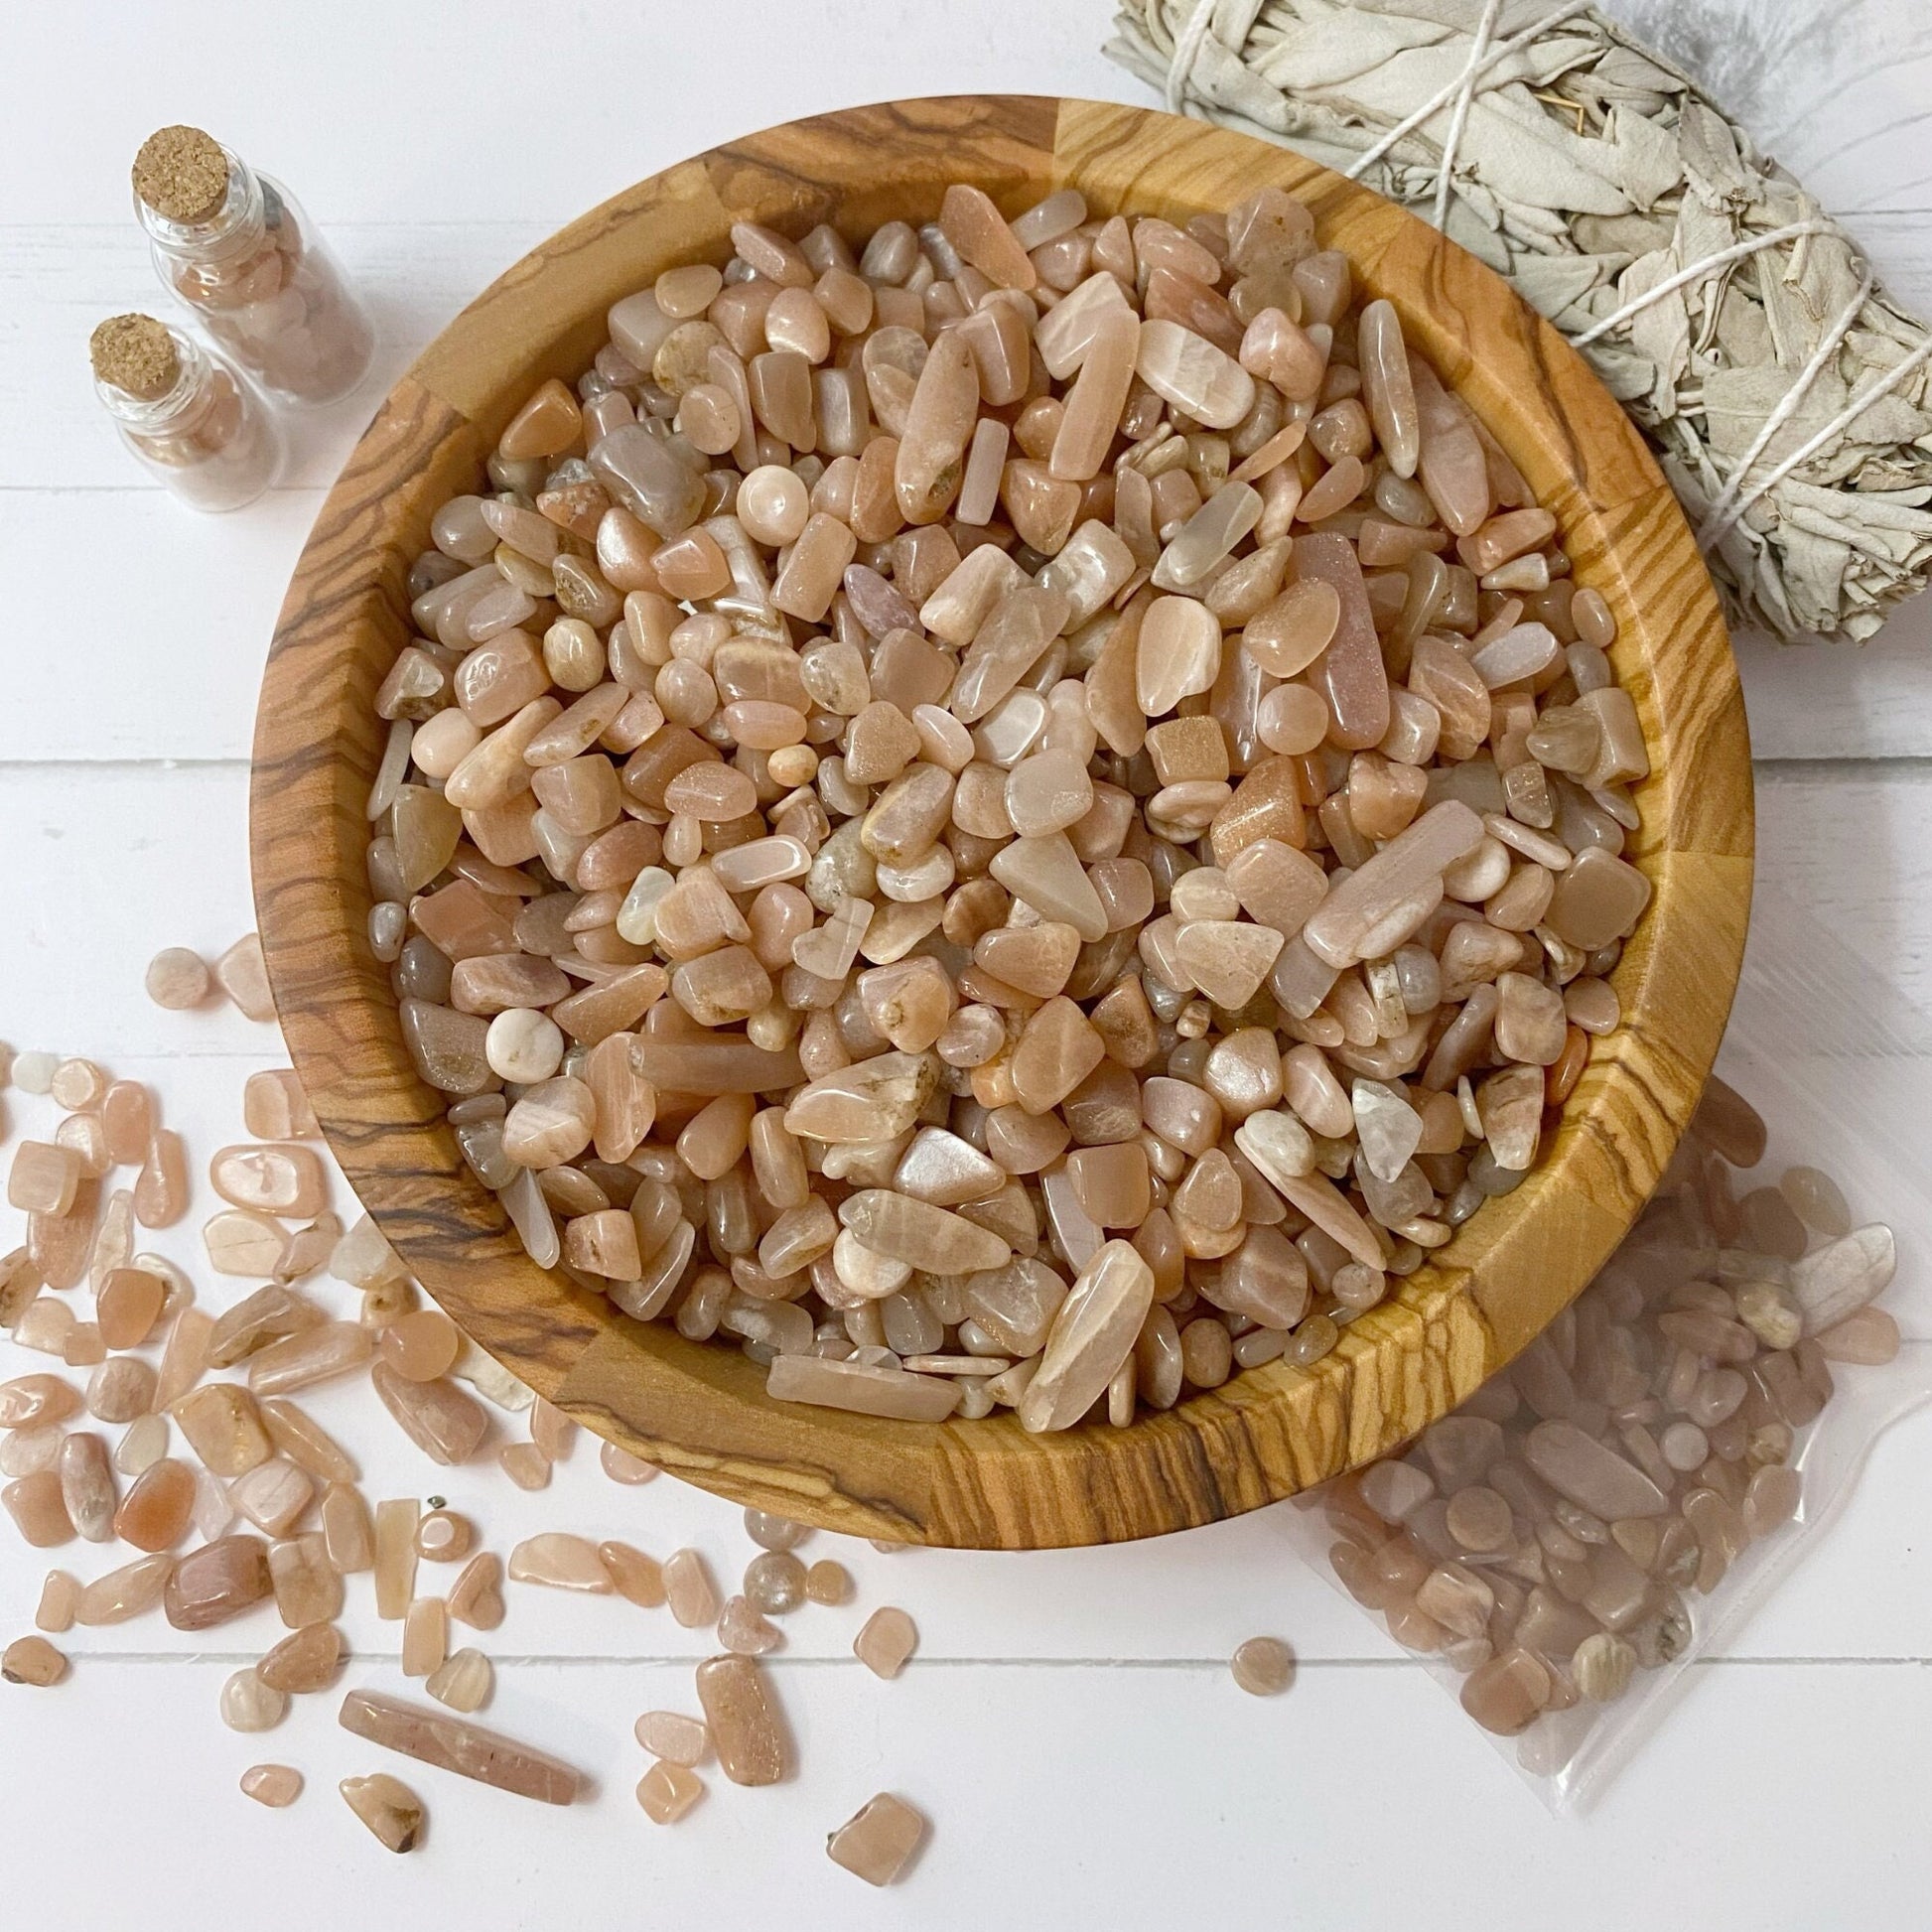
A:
(699, 1410)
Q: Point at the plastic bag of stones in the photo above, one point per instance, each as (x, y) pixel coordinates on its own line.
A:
(1619, 1500)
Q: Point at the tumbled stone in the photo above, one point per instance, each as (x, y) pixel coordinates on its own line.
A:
(307, 1587)
(87, 1486)
(888, 1638)
(1387, 1128)
(1844, 1275)
(443, 1422)
(1506, 1694)
(316, 1355)
(878, 1840)
(39, 1509)
(635, 1576)
(561, 1561)
(274, 1495)
(273, 1785)
(250, 1704)
(1191, 373)
(689, 1589)
(155, 1513)
(871, 1100)
(1093, 1332)
(33, 1400)
(668, 1791)
(462, 1680)
(392, 1812)
(1263, 1666)
(33, 1660)
(1179, 653)
(223, 1428)
(672, 1736)
(1602, 1667)
(743, 1629)
(827, 1582)
(1591, 1475)
(747, 1727)
(425, 1636)
(216, 1582)
(620, 1465)
(926, 1237)
(1368, 912)
(59, 1599)
(467, 1749)
(476, 1597)
(1058, 1048)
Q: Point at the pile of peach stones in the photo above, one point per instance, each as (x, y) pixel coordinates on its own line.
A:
(1018, 816)
(257, 1508)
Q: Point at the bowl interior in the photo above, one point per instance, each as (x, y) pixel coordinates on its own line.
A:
(699, 1409)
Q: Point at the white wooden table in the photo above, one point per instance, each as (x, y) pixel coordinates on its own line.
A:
(1070, 1723)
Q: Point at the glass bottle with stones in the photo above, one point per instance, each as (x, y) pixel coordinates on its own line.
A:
(193, 422)
(241, 256)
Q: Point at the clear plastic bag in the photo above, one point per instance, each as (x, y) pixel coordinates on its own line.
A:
(1830, 1057)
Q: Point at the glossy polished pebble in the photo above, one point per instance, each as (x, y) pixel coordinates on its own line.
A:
(748, 1728)
(425, 1636)
(878, 1840)
(827, 1582)
(178, 979)
(443, 1422)
(561, 1561)
(477, 1598)
(672, 1736)
(887, 1640)
(158, 1507)
(306, 1661)
(745, 1630)
(1263, 1666)
(468, 1749)
(442, 1536)
(216, 1582)
(393, 1813)
(462, 1680)
(59, 1602)
(774, 1583)
(668, 1791)
(620, 1465)
(250, 1704)
(274, 1785)
(420, 1346)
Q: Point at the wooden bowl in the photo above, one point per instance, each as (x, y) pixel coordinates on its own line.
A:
(699, 1409)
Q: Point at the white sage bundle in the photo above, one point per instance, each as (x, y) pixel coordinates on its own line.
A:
(1788, 401)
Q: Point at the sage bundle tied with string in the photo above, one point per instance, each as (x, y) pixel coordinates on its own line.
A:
(1787, 399)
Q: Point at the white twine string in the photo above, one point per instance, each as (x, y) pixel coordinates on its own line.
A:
(1186, 49)
(1735, 500)
(1465, 94)
(1846, 417)
(1721, 515)
(1463, 83)
(1736, 253)
(1194, 35)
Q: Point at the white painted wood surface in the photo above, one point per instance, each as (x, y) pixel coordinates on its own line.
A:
(1068, 1723)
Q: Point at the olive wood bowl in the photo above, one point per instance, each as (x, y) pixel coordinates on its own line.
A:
(699, 1409)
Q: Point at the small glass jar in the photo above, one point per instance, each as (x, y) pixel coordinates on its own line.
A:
(238, 251)
(191, 417)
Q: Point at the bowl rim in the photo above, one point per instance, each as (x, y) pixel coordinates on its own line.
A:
(698, 1409)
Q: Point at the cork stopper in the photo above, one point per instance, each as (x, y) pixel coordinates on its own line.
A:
(182, 174)
(135, 354)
